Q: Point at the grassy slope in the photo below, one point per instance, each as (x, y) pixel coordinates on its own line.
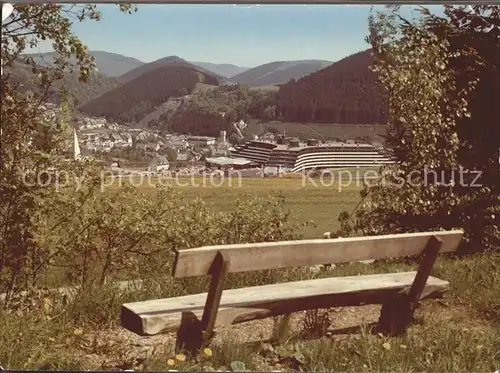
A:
(458, 334)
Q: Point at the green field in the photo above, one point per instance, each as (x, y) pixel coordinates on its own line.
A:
(307, 199)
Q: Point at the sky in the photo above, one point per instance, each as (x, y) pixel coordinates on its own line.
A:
(243, 35)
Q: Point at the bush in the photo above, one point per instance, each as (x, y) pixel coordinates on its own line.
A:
(432, 111)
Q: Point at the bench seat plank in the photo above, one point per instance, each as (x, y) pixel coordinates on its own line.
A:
(239, 305)
(272, 255)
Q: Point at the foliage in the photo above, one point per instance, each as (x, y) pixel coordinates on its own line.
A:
(209, 112)
(78, 92)
(126, 230)
(34, 137)
(437, 127)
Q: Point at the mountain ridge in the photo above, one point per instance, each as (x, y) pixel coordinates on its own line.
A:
(169, 61)
(227, 70)
(278, 72)
(107, 63)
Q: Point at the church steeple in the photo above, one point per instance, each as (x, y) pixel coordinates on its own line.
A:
(76, 146)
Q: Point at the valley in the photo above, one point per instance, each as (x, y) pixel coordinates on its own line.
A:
(309, 91)
(144, 105)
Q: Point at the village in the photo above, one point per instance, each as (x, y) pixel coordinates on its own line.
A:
(126, 149)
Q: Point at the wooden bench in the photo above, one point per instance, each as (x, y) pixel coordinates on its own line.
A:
(195, 316)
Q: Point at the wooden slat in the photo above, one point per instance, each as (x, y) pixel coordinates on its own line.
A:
(239, 305)
(271, 255)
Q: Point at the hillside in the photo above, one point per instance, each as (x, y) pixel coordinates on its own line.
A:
(345, 92)
(133, 100)
(171, 61)
(201, 115)
(79, 92)
(224, 69)
(109, 64)
(278, 72)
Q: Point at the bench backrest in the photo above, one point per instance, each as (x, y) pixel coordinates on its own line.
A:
(273, 255)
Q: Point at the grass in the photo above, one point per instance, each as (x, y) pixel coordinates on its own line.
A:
(321, 131)
(309, 200)
(459, 333)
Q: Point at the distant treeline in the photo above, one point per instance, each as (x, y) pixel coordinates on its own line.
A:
(345, 92)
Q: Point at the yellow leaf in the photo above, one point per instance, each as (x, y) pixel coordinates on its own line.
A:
(171, 362)
(387, 345)
(403, 347)
(78, 331)
(180, 357)
(207, 351)
(52, 339)
(479, 347)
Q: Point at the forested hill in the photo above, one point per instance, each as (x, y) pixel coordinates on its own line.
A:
(130, 102)
(171, 61)
(107, 64)
(278, 72)
(79, 93)
(344, 92)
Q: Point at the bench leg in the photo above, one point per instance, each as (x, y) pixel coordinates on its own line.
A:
(397, 314)
(197, 334)
(189, 337)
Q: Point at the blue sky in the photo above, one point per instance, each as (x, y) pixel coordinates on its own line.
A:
(244, 35)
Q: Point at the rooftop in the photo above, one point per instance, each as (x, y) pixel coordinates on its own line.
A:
(225, 161)
(201, 138)
(305, 146)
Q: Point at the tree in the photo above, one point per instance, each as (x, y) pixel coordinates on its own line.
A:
(442, 78)
(270, 112)
(273, 130)
(171, 154)
(35, 136)
(235, 139)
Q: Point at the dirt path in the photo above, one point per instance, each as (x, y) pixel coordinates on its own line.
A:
(121, 349)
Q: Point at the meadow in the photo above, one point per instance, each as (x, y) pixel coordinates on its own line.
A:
(455, 334)
(314, 200)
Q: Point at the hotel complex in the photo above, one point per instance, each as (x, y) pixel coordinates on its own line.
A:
(298, 157)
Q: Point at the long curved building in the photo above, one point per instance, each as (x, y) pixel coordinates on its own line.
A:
(298, 157)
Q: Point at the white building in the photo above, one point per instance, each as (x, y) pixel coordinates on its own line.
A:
(201, 141)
